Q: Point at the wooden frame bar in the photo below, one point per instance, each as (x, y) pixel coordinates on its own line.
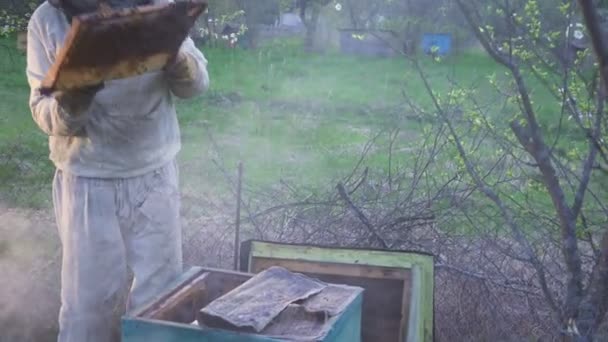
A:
(109, 45)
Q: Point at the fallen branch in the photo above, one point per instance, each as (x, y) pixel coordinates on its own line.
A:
(361, 216)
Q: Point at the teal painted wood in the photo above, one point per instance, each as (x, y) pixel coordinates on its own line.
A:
(348, 326)
(140, 330)
(345, 328)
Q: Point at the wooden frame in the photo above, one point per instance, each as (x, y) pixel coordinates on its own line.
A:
(110, 45)
(416, 270)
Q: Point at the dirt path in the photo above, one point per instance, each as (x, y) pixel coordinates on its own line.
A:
(29, 275)
(30, 255)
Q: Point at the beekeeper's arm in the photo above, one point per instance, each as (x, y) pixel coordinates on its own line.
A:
(63, 114)
(187, 74)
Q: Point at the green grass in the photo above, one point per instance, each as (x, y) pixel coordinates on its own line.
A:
(285, 113)
(306, 117)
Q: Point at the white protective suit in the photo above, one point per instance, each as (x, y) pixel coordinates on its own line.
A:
(115, 190)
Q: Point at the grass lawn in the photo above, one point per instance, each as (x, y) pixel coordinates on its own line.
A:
(285, 113)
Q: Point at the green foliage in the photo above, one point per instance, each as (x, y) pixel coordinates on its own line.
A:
(12, 21)
(563, 92)
(533, 24)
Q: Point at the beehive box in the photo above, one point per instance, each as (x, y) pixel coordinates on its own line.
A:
(398, 297)
(171, 316)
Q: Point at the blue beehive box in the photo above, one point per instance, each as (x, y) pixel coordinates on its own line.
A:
(437, 43)
(172, 316)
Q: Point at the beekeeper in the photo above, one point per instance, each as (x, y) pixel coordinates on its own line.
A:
(115, 190)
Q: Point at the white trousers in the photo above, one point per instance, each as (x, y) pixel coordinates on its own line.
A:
(105, 226)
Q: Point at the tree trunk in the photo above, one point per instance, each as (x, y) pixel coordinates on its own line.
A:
(311, 28)
(252, 34)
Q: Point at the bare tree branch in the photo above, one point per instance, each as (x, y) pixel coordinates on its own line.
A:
(361, 216)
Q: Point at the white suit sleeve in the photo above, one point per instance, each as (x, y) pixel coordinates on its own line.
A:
(196, 80)
(46, 111)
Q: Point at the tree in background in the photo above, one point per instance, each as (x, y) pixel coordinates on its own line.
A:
(409, 19)
(534, 148)
(14, 15)
(310, 11)
(267, 12)
(262, 12)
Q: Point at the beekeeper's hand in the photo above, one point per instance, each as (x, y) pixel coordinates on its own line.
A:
(75, 103)
(181, 68)
(186, 73)
(69, 117)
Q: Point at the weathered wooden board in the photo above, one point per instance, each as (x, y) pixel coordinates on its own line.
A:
(398, 297)
(220, 282)
(118, 44)
(255, 303)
